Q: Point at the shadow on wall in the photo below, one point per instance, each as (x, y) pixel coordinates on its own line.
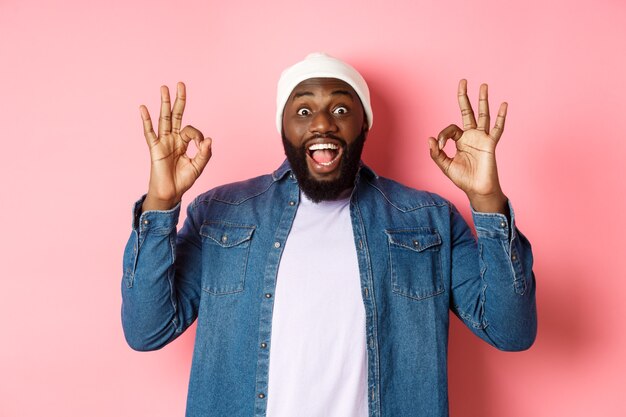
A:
(379, 151)
(561, 341)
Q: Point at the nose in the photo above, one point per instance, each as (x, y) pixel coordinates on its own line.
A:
(322, 122)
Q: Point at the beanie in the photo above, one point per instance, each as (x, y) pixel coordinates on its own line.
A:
(320, 65)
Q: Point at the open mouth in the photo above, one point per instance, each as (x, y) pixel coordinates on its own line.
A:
(324, 154)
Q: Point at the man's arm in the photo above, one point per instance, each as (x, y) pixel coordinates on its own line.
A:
(160, 287)
(161, 283)
(493, 287)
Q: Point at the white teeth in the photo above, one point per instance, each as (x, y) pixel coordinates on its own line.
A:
(320, 146)
(326, 164)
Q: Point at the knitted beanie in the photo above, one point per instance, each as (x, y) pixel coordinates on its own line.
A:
(320, 65)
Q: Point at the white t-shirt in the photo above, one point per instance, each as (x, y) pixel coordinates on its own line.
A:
(318, 359)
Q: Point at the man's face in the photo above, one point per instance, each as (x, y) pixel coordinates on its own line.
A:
(324, 128)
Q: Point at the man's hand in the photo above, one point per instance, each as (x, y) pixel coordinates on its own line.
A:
(473, 168)
(172, 172)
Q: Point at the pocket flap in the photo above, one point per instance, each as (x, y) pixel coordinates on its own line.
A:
(227, 234)
(418, 239)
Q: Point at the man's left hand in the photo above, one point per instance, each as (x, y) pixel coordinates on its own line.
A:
(473, 167)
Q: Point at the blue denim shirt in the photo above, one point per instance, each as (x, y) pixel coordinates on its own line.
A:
(418, 259)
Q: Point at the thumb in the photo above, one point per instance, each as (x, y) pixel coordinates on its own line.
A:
(439, 155)
(203, 155)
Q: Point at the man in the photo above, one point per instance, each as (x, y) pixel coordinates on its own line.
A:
(323, 289)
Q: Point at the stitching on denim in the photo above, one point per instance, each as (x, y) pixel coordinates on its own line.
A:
(374, 316)
(135, 256)
(431, 232)
(468, 319)
(482, 324)
(434, 247)
(244, 268)
(160, 230)
(170, 280)
(250, 229)
(519, 277)
(405, 210)
(211, 197)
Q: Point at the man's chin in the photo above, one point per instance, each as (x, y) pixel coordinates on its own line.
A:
(320, 183)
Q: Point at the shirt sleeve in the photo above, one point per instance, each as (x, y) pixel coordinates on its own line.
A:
(493, 284)
(160, 289)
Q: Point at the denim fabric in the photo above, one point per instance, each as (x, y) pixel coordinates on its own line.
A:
(418, 259)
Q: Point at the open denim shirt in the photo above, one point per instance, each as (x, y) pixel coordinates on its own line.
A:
(417, 258)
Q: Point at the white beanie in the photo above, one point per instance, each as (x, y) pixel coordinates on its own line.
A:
(320, 65)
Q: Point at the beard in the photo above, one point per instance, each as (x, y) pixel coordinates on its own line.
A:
(323, 190)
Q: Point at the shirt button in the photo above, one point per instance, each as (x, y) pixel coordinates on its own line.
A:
(224, 239)
(514, 257)
(146, 221)
(261, 395)
(277, 245)
(263, 345)
(503, 224)
(268, 295)
(416, 243)
(292, 203)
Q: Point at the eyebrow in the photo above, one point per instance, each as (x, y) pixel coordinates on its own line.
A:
(334, 93)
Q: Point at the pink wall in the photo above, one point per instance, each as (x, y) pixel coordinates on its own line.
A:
(74, 159)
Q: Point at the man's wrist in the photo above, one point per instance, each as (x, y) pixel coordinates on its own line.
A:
(496, 203)
(151, 203)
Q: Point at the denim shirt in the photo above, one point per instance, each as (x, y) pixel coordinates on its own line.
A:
(418, 259)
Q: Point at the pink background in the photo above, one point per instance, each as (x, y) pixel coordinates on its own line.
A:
(74, 160)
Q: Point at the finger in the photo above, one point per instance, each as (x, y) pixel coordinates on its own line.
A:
(148, 131)
(439, 156)
(165, 118)
(190, 133)
(203, 155)
(179, 107)
(451, 132)
(483, 109)
(498, 128)
(469, 122)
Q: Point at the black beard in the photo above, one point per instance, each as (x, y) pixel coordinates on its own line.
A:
(317, 190)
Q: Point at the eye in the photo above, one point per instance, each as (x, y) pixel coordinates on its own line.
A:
(304, 112)
(340, 110)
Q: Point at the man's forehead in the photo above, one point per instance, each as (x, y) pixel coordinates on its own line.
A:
(333, 85)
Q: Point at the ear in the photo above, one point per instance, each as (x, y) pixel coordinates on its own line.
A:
(365, 132)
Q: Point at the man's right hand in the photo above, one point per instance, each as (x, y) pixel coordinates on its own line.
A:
(172, 172)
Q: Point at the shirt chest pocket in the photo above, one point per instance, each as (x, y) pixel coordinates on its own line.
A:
(415, 261)
(225, 248)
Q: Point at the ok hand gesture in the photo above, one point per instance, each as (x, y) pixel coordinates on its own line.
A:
(473, 167)
(172, 172)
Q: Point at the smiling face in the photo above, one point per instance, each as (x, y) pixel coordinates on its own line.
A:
(324, 128)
